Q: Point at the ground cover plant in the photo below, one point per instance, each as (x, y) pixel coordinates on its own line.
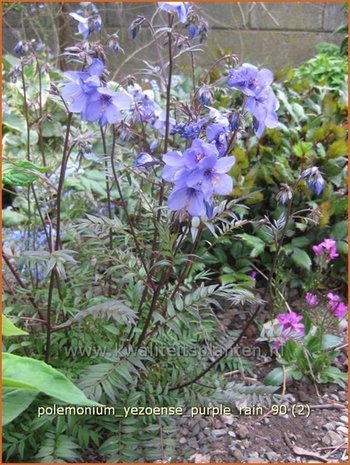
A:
(136, 209)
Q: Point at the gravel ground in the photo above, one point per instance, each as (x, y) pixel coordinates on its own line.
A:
(322, 436)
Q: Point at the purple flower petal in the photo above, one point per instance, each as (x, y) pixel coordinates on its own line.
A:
(96, 68)
(224, 185)
(224, 164)
(174, 159)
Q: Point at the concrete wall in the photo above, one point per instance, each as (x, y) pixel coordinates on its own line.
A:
(271, 34)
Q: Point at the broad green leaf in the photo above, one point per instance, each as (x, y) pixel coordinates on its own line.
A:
(254, 242)
(9, 329)
(303, 149)
(330, 341)
(13, 383)
(342, 247)
(14, 402)
(340, 230)
(14, 122)
(301, 259)
(44, 378)
(18, 124)
(275, 377)
(14, 177)
(11, 218)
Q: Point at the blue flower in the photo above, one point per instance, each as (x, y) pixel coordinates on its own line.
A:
(249, 79)
(188, 198)
(205, 95)
(261, 101)
(193, 30)
(21, 48)
(81, 85)
(144, 159)
(234, 120)
(178, 8)
(218, 134)
(88, 25)
(84, 94)
(315, 181)
(135, 26)
(113, 44)
(198, 29)
(263, 107)
(105, 106)
(211, 176)
(197, 175)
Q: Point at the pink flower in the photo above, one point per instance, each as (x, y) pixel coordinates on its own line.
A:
(291, 326)
(331, 247)
(318, 250)
(340, 311)
(333, 300)
(335, 304)
(328, 246)
(311, 299)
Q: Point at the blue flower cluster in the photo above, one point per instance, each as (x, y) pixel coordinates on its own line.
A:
(85, 94)
(261, 101)
(197, 175)
(189, 131)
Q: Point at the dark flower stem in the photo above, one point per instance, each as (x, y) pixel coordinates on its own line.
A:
(166, 273)
(223, 355)
(40, 122)
(180, 281)
(66, 153)
(26, 116)
(36, 200)
(22, 285)
(109, 205)
(164, 279)
(124, 205)
(65, 156)
(48, 317)
(167, 123)
(25, 110)
(225, 57)
(278, 250)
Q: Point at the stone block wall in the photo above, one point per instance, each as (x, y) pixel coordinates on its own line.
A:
(270, 34)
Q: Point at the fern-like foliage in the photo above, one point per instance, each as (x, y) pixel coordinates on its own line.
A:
(113, 309)
(239, 393)
(57, 448)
